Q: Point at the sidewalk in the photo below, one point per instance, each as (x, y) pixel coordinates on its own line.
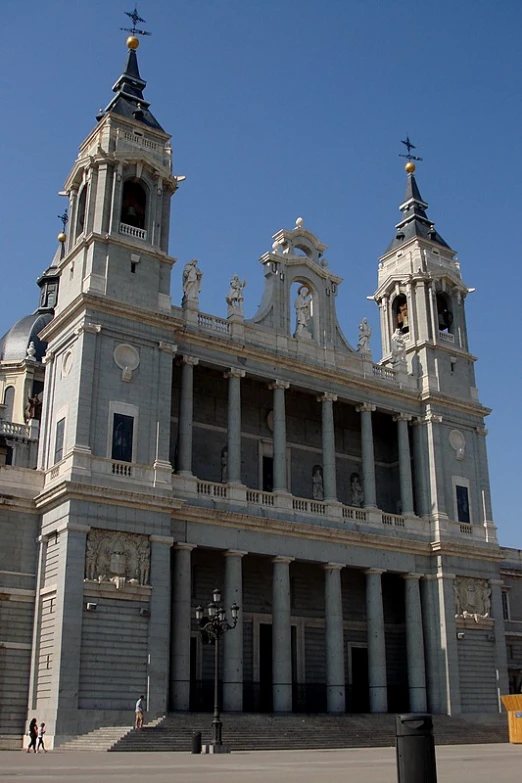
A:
(455, 764)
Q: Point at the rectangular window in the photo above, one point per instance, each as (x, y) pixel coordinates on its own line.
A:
(505, 605)
(268, 474)
(462, 504)
(122, 433)
(59, 440)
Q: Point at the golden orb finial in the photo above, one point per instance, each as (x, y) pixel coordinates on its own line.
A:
(132, 42)
(410, 167)
(62, 237)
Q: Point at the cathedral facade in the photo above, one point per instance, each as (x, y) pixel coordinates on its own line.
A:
(151, 452)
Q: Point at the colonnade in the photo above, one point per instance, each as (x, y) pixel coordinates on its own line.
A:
(280, 473)
(281, 636)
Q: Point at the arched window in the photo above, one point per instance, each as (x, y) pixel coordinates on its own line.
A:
(400, 313)
(82, 206)
(444, 314)
(9, 395)
(134, 204)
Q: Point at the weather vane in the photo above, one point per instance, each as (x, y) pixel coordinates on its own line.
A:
(65, 219)
(135, 18)
(409, 146)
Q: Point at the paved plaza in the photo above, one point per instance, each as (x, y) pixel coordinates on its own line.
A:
(455, 764)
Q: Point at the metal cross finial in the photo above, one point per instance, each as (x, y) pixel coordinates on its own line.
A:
(65, 219)
(135, 18)
(409, 146)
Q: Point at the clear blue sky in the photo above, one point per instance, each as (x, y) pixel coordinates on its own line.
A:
(281, 108)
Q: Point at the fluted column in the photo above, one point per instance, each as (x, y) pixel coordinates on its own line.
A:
(159, 638)
(281, 635)
(334, 633)
(279, 435)
(186, 410)
(328, 437)
(405, 481)
(234, 425)
(415, 644)
(368, 458)
(376, 643)
(233, 641)
(180, 627)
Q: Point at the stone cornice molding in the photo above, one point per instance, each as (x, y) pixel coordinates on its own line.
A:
(67, 490)
(166, 347)
(481, 431)
(72, 527)
(193, 360)
(279, 385)
(412, 576)
(88, 327)
(433, 418)
(167, 540)
(496, 582)
(366, 407)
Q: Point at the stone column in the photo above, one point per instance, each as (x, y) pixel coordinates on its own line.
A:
(403, 438)
(440, 638)
(37, 623)
(334, 637)
(159, 630)
(415, 644)
(376, 643)
(279, 435)
(328, 436)
(419, 458)
(281, 635)
(186, 409)
(436, 469)
(500, 639)
(234, 426)
(423, 316)
(180, 627)
(368, 459)
(233, 640)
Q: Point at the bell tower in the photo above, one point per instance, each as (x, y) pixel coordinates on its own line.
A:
(421, 298)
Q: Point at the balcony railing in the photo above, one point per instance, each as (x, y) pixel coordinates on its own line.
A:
(132, 231)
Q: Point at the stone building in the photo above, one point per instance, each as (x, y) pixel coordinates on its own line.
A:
(151, 451)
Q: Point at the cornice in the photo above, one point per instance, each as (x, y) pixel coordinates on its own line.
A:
(68, 490)
(467, 550)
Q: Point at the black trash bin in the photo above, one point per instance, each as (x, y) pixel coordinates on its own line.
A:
(415, 749)
(196, 742)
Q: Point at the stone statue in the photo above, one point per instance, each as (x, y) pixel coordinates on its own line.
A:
(31, 351)
(317, 483)
(398, 348)
(303, 310)
(33, 408)
(234, 297)
(365, 332)
(356, 491)
(224, 464)
(192, 280)
(472, 598)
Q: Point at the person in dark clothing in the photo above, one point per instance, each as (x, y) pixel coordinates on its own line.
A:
(33, 735)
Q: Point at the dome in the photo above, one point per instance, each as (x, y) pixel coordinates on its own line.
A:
(15, 342)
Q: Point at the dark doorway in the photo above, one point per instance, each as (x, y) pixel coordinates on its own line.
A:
(268, 474)
(360, 687)
(265, 667)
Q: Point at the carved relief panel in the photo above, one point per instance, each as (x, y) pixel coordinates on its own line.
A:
(472, 598)
(120, 558)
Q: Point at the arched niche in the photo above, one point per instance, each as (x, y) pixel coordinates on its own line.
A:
(444, 313)
(400, 314)
(303, 301)
(9, 397)
(134, 203)
(81, 212)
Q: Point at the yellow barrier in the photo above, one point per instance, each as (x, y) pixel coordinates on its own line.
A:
(513, 705)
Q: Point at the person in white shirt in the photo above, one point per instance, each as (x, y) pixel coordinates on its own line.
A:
(138, 713)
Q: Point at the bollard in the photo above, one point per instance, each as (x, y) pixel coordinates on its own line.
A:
(196, 742)
(415, 749)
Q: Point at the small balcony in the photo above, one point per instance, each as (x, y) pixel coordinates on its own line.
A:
(132, 231)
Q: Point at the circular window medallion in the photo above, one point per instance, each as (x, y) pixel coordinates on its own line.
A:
(67, 363)
(458, 443)
(126, 357)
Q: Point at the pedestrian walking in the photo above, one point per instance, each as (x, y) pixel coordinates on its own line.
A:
(138, 713)
(33, 735)
(41, 732)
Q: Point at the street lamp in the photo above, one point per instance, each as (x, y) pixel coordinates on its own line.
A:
(213, 624)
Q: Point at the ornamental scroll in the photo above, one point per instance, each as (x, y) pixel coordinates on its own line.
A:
(119, 558)
(472, 598)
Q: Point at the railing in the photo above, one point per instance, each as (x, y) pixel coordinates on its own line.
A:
(211, 490)
(9, 428)
(358, 514)
(383, 372)
(213, 323)
(259, 498)
(466, 529)
(450, 338)
(141, 141)
(55, 472)
(308, 506)
(132, 231)
(122, 469)
(392, 519)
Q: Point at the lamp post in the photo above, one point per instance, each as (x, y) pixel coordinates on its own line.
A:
(213, 624)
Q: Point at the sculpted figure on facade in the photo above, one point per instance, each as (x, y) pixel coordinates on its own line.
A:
(235, 297)
(398, 349)
(33, 408)
(317, 483)
(119, 558)
(192, 276)
(303, 311)
(365, 332)
(356, 491)
(472, 598)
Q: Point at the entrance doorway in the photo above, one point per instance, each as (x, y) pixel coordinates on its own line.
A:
(359, 681)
